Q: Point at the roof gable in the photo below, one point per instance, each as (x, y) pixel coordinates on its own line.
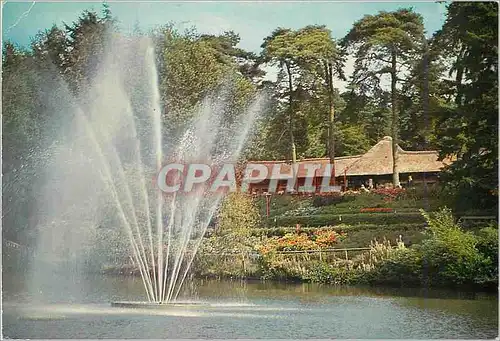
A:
(376, 161)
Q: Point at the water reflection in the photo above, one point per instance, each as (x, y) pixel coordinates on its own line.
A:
(247, 310)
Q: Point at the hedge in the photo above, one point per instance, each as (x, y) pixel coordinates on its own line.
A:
(332, 210)
(350, 219)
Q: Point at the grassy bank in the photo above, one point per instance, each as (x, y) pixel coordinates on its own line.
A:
(403, 246)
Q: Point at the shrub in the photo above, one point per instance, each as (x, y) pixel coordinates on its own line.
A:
(421, 193)
(281, 231)
(320, 272)
(329, 199)
(279, 268)
(488, 242)
(488, 246)
(238, 213)
(402, 267)
(326, 237)
(449, 255)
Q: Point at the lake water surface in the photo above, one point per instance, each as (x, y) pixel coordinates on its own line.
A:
(234, 309)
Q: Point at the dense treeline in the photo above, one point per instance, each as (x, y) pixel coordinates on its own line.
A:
(427, 93)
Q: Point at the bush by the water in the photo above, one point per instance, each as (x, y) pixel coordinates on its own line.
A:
(448, 256)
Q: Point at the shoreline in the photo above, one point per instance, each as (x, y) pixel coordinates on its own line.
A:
(488, 288)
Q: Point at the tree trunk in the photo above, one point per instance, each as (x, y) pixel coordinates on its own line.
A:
(331, 120)
(290, 113)
(395, 122)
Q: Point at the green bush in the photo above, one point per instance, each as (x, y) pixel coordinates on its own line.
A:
(447, 256)
(237, 214)
(321, 272)
(403, 267)
(333, 199)
(450, 255)
(488, 242)
(441, 254)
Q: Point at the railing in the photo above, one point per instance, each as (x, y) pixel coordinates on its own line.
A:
(321, 253)
(325, 250)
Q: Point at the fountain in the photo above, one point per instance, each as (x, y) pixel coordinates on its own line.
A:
(98, 191)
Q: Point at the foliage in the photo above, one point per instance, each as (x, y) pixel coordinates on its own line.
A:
(325, 238)
(226, 251)
(237, 214)
(308, 59)
(194, 67)
(487, 245)
(282, 230)
(320, 272)
(402, 267)
(468, 125)
(301, 211)
(443, 95)
(450, 254)
(385, 43)
(328, 199)
(352, 140)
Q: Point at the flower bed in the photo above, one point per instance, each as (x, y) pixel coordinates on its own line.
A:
(321, 238)
(389, 194)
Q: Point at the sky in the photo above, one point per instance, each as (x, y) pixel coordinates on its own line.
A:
(252, 20)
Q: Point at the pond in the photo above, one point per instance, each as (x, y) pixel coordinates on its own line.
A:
(234, 309)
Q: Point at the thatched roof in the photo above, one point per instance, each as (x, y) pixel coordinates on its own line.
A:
(340, 164)
(376, 161)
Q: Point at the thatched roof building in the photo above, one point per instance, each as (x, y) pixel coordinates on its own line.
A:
(375, 163)
(378, 161)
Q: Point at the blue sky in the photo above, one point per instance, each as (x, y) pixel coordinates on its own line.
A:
(252, 20)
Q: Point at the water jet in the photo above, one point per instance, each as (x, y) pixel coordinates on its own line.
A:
(114, 143)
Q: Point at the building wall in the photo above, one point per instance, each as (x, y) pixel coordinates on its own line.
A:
(353, 182)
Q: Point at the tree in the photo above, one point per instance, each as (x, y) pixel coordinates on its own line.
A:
(50, 48)
(227, 53)
(309, 59)
(422, 97)
(280, 48)
(86, 41)
(385, 44)
(195, 66)
(351, 140)
(320, 54)
(468, 126)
